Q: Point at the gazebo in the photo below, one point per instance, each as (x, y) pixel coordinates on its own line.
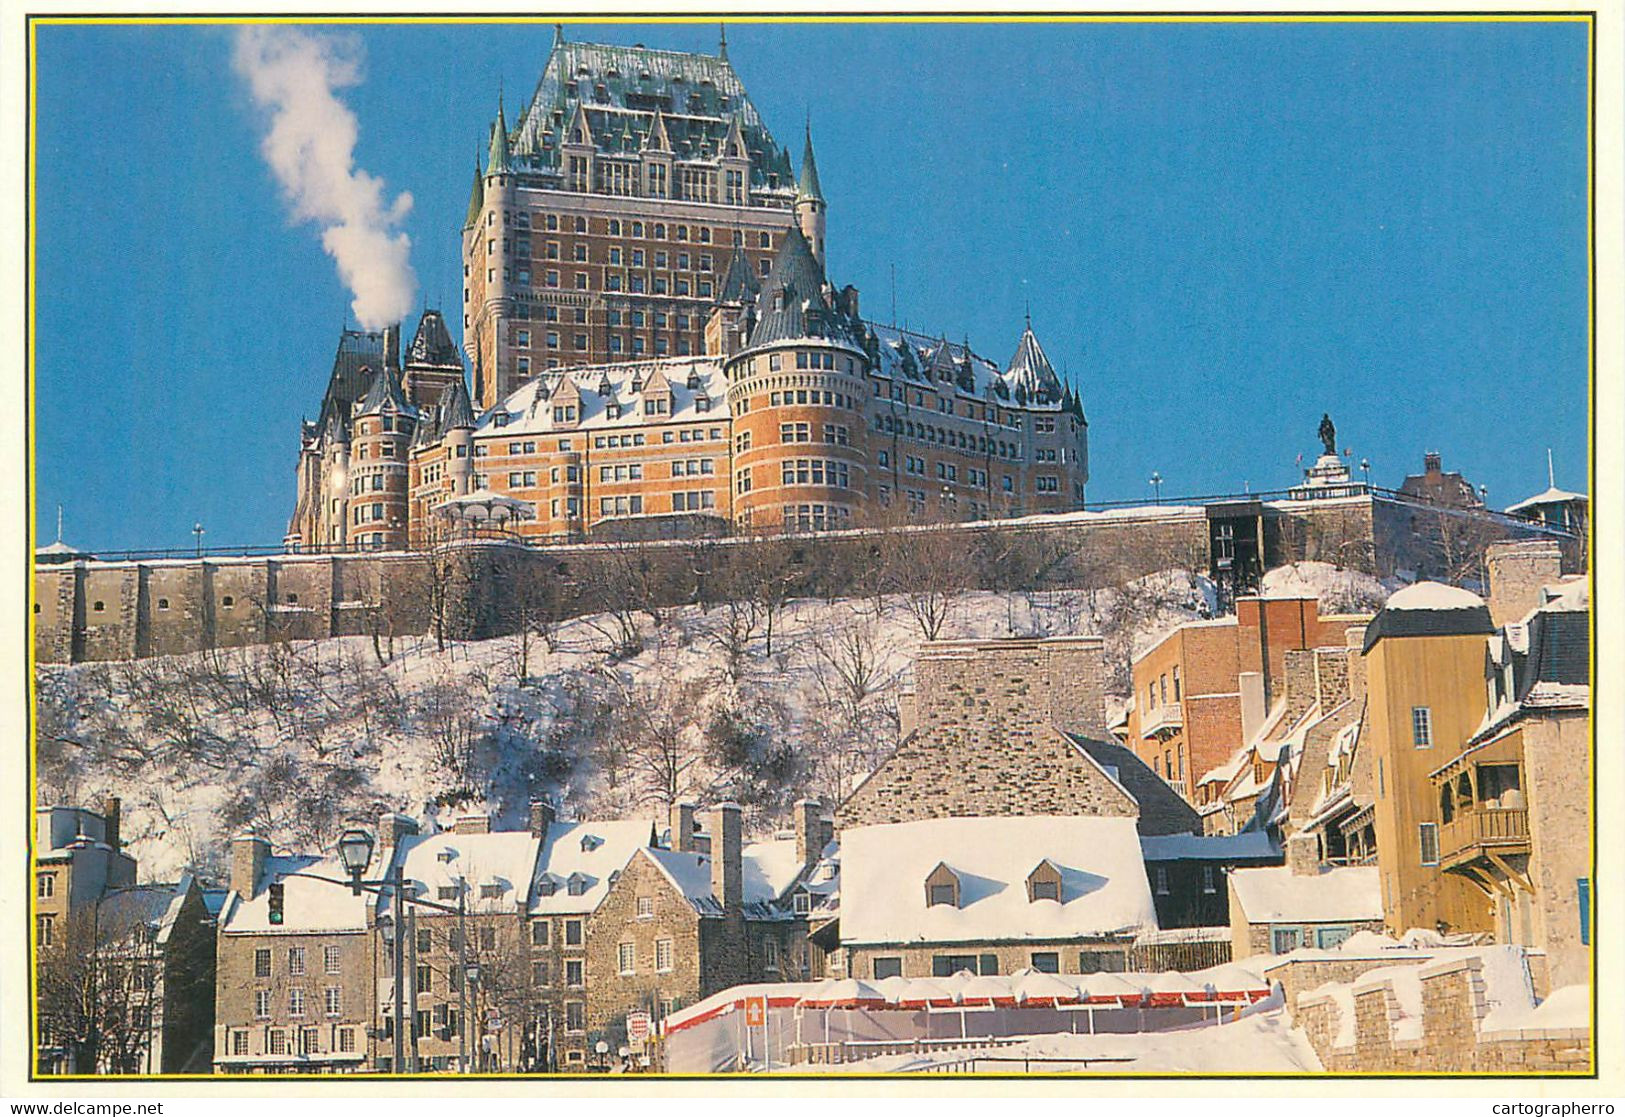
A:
(470, 513)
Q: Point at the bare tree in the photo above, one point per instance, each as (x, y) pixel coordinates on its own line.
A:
(95, 983)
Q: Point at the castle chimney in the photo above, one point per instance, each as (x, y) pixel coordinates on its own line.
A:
(682, 828)
(392, 346)
(1517, 571)
(110, 817)
(542, 817)
(248, 854)
(1432, 462)
(809, 829)
(727, 856)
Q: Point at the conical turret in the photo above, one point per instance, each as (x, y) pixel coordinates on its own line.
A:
(810, 205)
(476, 197)
(497, 162)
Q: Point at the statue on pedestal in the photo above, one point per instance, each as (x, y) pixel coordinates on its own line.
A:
(1328, 435)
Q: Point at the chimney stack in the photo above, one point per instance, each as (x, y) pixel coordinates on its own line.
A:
(542, 816)
(472, 824)
(110, 820)
(248, 854)
(1303, 854)
(392, 346)
(682, 828)
(727, 856)
(1517, 571)
(809, 829)
(392, 827)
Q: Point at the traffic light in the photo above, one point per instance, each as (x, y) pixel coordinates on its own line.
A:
(276, 904)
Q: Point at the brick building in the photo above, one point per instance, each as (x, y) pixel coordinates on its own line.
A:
(656, 346)
(1209, 687)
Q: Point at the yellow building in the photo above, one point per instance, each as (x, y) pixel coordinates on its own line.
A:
(1424, 657)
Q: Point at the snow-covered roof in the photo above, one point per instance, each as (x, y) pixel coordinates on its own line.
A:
(770, 868)
(1250, 844)
(883, 870)
(590, 851)
(1553, 495)
(1277, 895)
(475, 864)
(1434, 597)
(307, 905)
(529, 410)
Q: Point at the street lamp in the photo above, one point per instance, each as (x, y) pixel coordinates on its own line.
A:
(1156, 486)
(355, 849)
(197, 533)
(1365, 470)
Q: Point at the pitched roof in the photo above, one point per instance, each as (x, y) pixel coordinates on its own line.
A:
(1104, 890)
(591, 851)
(1553, 495)
(307, 905)
(432, 344)
(1277, 895)
(1030, 370)
(620, 90)
(385, 394)
(504, 860)
(476, 198)
(807, 184)
(456, 410)
(793, 302)
(359, 352)
(739, 285)
(1429, 609)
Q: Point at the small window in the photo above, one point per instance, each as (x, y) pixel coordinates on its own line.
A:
(1422, 726)
(646, 907)
(801, 902)
(163, 603)
(942, 894)
(663, 955)
(1162, 880)
(539, 933)
(227, 601)
(1046, 961)
(1284, 940)
(572, 932)
(1427, 836)
(626, 958)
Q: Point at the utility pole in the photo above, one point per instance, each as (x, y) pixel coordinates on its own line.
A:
(462, 977)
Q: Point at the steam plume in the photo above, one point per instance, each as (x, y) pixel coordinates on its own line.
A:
(310, 147)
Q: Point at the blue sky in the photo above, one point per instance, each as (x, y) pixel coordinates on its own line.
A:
(1222, 231)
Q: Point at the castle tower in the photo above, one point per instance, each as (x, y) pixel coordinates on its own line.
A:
(489, 245)
(382, 431)
(810, 205)
(432, 362)
(797, 392)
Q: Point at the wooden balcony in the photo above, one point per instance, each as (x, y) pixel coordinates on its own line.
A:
(1479, 832)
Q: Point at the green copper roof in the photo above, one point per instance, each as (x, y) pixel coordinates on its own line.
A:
(807, 185)
(621, 88)
(476, 198)
(498, 161)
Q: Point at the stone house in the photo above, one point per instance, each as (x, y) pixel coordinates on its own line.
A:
(991, 895)
(1301, 904)
(296, 979)
(577, 870)
(702, 913)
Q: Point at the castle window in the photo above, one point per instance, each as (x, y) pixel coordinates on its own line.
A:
(227, 602)
(163, 603)
(99, 607)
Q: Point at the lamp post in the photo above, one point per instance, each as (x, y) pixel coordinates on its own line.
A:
(1365, 471)
(197, 533)
(1156, 486)
(355, 854)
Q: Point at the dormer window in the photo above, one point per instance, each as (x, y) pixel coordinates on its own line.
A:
(801, 902)
(446, 856)
(942, 887)
(1044, 882)
(589, 843)
(576, 885)
(490, 891)
(547, 886)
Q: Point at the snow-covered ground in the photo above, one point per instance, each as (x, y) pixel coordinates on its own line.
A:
(1260, 1041)
(297, 740)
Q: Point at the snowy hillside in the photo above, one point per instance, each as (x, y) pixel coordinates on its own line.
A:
(295, 740)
